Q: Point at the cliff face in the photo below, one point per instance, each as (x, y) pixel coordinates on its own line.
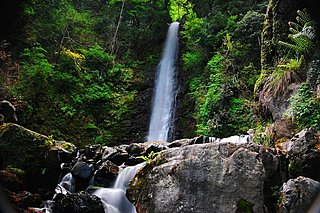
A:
(279, 84)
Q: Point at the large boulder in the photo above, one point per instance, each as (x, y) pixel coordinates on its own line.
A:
(213, 177)
(35, 154)
(297, 195)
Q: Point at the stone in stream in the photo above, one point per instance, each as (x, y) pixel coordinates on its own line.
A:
(82, 172)
(81, 202)
(106, 174)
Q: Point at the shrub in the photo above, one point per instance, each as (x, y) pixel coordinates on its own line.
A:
(304, 108)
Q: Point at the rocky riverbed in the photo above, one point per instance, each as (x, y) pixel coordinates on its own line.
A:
(190, 175)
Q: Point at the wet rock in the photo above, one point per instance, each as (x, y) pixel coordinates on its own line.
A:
(81, 202)
(82, 172)
(203, 177)
(135, 149)
(116, 155)
(297, 195)
(304, 154)
(132, 161)
(8, 111)
(107, 152)
(91, 151)
(119, 158)
(155, 148)
(106, 174)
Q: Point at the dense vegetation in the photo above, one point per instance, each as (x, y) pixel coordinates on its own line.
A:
(80, 70)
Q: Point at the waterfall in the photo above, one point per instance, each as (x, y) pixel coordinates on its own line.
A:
(165, 89)
(114, 199)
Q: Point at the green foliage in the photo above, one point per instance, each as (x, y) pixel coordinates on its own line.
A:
(191, 61)
(283, 75)
(241, 114)
(192, 31)
(99, 56)
(211, 111)
(263, 139)
(304, 108)
(68, 146)
(35, 74)
(49, 142)
(179, 8)
(303, 34)
(150, 156)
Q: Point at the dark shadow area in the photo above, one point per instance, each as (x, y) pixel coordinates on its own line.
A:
(313, 8)
(10, 20)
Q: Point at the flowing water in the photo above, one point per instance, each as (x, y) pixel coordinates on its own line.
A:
(66, 185)
(114, 199)
(165, 89)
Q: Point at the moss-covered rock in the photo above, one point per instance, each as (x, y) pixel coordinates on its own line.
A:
(37, 155)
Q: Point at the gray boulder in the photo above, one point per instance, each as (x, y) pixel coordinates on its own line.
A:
(212, 177)
(297, 195)
(304, 154)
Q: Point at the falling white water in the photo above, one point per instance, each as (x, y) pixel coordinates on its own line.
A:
(114, 199)
(165, 89)
(66, 185)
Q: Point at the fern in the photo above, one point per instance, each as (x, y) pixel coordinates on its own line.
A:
(303, 34)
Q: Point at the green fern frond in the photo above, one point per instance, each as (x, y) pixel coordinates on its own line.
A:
(291, 46)
(294, 31)
(303, 33)
(295, 26)
(304, 17)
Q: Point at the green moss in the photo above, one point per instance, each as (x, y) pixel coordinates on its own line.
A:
(68, 146)
(244, 206)
(260, 80)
